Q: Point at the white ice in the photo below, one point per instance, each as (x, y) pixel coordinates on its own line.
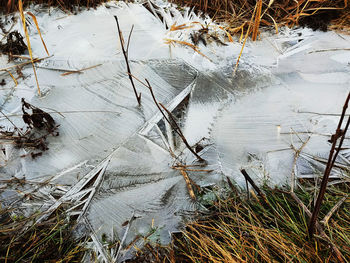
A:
(284, 89)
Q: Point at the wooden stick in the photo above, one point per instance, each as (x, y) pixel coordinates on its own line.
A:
(331, 160)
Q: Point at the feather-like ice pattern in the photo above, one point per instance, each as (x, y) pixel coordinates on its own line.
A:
(265, 123)
(110, 166)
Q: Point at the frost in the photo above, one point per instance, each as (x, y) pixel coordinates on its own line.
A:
(111, 164)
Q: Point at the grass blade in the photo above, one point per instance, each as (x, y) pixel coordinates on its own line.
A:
(20, 6)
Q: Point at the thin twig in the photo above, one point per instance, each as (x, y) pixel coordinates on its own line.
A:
(17, 129)
(179, 132)
(321, 114)
(125, 53)
(127, 47)
(331, 160)
(124, 236)
(230, 184)
(20, 6)
(172, 122)
(187, 165)
(79, 70)
(252, 183)
(25, 63)
(191, 170)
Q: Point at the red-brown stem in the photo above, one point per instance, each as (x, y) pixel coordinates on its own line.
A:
(331, 160)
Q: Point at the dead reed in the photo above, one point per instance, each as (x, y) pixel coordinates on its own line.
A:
(320, 14)
(243, 15)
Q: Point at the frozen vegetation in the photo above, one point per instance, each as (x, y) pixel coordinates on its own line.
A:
(111, 160)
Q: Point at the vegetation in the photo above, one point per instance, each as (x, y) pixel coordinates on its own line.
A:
(239, 14)
(269, 227)
(50, 241)
(66, 5)
(238, 229)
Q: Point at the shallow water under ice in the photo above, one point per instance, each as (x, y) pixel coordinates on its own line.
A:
(111, 161)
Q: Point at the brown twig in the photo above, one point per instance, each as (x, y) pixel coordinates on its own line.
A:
(179, 132)
(187, 165)
(331, 160)
(338, 254)
(172, 122)
(252, 183)
(79, 71)
(126, 57)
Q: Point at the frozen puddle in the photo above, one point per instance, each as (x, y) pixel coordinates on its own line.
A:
(110, 165)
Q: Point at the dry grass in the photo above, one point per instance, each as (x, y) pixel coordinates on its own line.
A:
(236, 229)
(241, 14)
(240, 230)
(50, 241)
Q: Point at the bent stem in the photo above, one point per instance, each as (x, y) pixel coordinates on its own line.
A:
(172, 122)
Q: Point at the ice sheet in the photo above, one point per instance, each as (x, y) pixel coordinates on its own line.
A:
(111, 160)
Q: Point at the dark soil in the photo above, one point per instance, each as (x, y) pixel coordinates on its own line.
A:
(320, 20)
